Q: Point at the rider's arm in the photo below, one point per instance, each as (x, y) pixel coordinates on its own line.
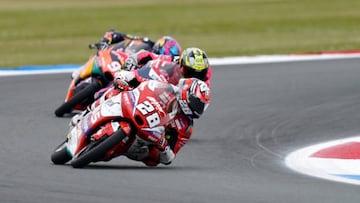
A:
(208, 76)
(178, 135)
(145, 56)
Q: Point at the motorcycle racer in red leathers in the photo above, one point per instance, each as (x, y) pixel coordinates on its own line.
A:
(193, 96)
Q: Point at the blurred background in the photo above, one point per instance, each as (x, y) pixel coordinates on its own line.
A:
(46, 32)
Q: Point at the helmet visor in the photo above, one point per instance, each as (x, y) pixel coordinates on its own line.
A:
(197, 106)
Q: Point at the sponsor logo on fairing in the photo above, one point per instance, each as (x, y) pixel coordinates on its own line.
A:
(155, 133)
(156, 104)
(134, 98)
(85, 123)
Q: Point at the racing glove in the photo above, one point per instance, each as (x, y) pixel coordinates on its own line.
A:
(176, 59)
(122, 80)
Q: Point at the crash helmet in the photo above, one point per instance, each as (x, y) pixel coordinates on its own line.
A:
(167, 45)
(193, 96)
(194, 63)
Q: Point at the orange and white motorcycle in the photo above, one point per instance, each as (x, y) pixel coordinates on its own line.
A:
(97, 73)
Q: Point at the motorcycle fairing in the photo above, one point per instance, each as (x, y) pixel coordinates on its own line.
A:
(87, 68)
(78, 136)
(81, 75)
(112, 107)
(108, 110)
(133, 98)
(75, 141)
(155, 134)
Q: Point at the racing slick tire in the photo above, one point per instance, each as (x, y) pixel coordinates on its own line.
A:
(98, 151)
(87, 92)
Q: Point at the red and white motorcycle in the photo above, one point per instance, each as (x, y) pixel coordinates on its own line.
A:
(121, 125)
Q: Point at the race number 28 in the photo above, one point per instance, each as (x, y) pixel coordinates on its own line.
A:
(146, 109)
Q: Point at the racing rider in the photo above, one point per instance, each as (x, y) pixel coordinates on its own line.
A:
(166, 45)
(193, 96)
(193, 62)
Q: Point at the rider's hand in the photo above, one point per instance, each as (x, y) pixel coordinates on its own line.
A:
(121, 85)
(122, 79)
(99, 46)
(130, 63)
(176, 59)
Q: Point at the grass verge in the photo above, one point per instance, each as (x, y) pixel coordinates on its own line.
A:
(58, 32)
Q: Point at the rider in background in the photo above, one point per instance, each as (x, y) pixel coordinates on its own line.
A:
(165, 46)
(193, 63)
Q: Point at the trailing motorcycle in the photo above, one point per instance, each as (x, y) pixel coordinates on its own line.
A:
(121, 125)
(97, 73)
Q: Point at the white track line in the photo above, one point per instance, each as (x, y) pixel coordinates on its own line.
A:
(213, 61)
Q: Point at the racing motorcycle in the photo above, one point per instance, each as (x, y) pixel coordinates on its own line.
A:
(97, 73)
(121, 125)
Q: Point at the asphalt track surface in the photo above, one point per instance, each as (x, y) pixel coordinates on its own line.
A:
(258, 115)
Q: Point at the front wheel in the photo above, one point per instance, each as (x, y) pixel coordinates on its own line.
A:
(85, 94)
(98, 151)
(60, 154)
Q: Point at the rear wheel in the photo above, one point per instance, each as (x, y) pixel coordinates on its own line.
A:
(85, 94)
(60, 154)
(98, 151)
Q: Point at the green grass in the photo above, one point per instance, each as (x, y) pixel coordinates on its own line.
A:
(41, 32)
